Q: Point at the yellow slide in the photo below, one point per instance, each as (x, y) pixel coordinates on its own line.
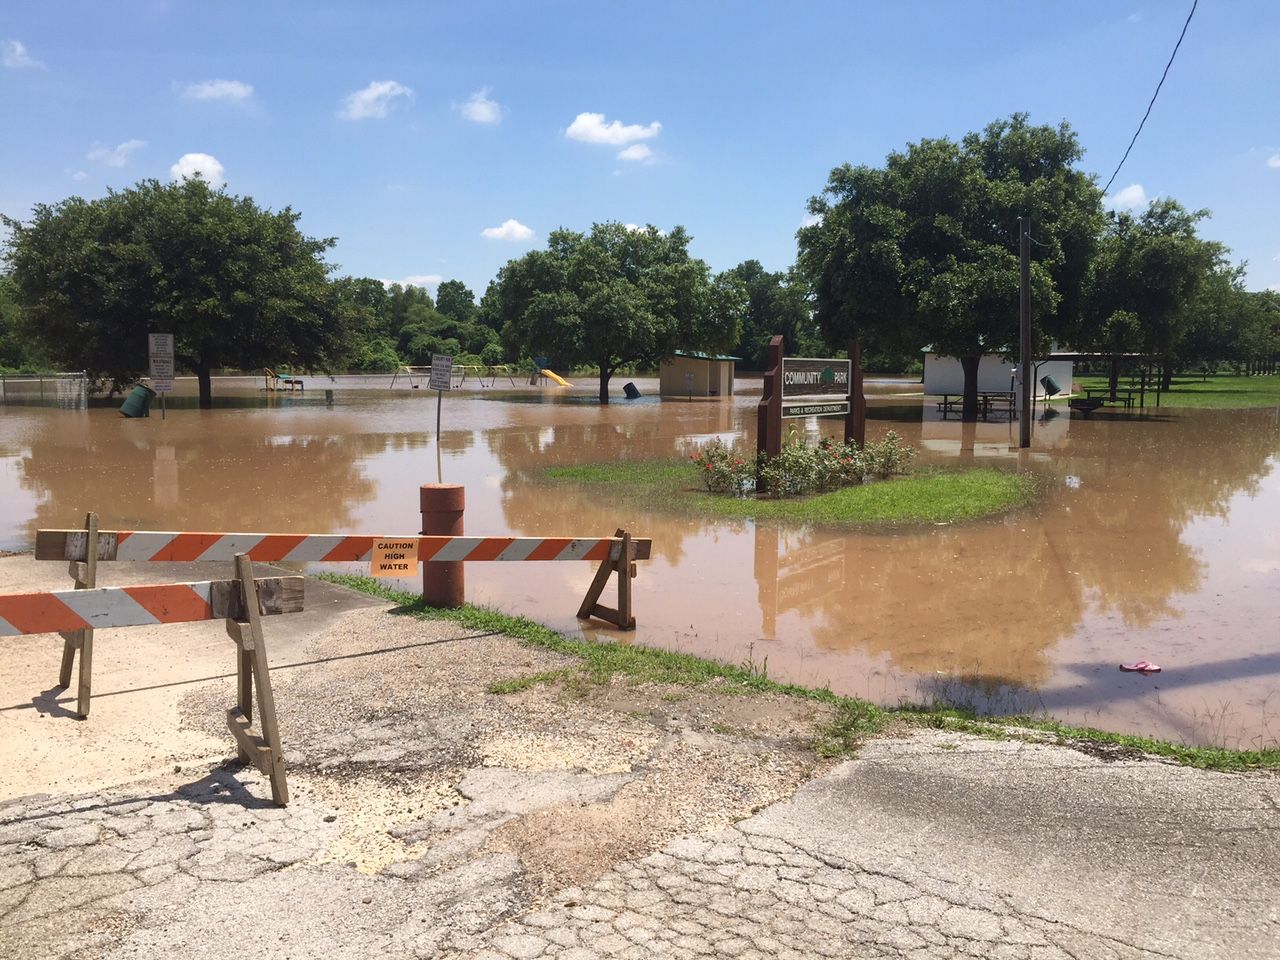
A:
(555, 377)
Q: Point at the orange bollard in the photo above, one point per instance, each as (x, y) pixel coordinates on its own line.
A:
(443, 583)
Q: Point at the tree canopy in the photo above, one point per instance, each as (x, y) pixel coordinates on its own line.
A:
(612, 297)
(924, 250)
(777, 303)
(235, 284)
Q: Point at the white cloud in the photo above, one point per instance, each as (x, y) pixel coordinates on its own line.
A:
(636, 228)
(637, 153)
(208, 167)
(1130, 198)
(13, 54)
(373, 101)
(479, 108)
(428, 281)
(512, 231)
(230, 91)
(81, 175)
(591, 128)
(116, 156)
(811, 220)
(1273, 161)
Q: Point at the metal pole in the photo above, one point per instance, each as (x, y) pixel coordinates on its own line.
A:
(439, 453)
(1024, 329)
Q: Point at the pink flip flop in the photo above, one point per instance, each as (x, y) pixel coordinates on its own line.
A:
(1142, 666)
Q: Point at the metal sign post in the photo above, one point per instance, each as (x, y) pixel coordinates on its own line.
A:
(160, 354)
(440, 381)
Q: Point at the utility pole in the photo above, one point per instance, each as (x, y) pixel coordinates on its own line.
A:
(1025, 364)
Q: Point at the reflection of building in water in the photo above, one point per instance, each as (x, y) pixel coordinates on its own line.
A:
(164, 476)
(989, 438)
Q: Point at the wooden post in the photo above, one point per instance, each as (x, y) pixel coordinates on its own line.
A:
(264, 750)
(621, 561)
(85, 574)
(769, 410)
(855, 421)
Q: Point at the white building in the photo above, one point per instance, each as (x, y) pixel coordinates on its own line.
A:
(944, 375)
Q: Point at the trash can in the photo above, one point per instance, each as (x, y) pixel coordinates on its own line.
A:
(1050, 385)
(138, 403)
(630, 391)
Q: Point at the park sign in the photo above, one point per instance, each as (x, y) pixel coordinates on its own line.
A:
(441, 372)
(820, 385)
(160, 354)
(809, 377)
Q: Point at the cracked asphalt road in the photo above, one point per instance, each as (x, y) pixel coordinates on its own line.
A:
(434, 819)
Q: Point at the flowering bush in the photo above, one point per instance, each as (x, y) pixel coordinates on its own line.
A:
(799, 469)
(838, 465)
(889, 456)
(725, 469)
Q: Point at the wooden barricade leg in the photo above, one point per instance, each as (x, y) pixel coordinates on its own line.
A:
(263, 750)
(85, 575)
(620, 562)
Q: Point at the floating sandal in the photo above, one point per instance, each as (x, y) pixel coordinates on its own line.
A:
(1142, 666)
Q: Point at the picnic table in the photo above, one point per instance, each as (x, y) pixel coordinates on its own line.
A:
(1124, 395)
(989, 401)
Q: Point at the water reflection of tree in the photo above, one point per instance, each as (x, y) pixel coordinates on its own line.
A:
(226, 479)
(991, 599)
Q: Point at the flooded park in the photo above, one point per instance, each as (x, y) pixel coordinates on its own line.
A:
(1156, 536)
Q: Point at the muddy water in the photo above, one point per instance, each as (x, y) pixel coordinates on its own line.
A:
(1159, 538)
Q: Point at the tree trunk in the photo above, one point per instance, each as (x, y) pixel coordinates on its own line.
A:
(1114, 379)
(969, 411)
(1166, 376)
(605, 374)
(206, 385)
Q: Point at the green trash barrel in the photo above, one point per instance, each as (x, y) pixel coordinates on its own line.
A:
(138, 403)
(1051, 388)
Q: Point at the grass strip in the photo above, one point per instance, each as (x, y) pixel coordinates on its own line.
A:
(853, 720)
(1217, 392)
(926, 496)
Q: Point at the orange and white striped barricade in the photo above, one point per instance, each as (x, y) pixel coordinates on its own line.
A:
(241, 602)
(616, 554)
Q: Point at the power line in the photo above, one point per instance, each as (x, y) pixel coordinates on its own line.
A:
(1153, 96)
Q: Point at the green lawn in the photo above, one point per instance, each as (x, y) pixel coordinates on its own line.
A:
(1219, 391)
(927, 496)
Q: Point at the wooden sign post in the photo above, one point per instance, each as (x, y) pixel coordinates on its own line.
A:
(85, 574)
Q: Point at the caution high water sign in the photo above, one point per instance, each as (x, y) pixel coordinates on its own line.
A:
(394, 558)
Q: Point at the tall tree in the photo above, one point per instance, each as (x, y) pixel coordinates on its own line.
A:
(612, 297)
(924, 250)
(1151, 270)
(777, 303)
(235, 284)
(456, 301)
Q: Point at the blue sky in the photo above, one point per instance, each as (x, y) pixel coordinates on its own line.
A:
(441, 139)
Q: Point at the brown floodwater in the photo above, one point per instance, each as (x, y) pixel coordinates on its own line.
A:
(1158, 538)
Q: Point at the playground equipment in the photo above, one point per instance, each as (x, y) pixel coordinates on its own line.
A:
(555, 378)
(415, 376)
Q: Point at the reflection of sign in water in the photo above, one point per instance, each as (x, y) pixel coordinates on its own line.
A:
(441, 372)
(394, 558)
(810, 377)
(160, 351)
(810, 574)
(830, 409)
(164, 476)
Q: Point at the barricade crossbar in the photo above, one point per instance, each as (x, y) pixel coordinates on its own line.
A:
(95, 609)
(159, 546)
